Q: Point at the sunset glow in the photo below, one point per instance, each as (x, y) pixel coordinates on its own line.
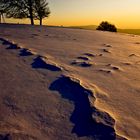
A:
(124, 14)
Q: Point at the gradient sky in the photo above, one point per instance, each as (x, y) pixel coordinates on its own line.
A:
(122, 13)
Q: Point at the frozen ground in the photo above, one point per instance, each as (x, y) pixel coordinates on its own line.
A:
(68, 84)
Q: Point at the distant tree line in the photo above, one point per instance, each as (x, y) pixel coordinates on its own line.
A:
(106, 26)
(32, 9)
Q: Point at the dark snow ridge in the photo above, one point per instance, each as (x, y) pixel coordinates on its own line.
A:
(84, 115)
(40, 63)
(9, 44)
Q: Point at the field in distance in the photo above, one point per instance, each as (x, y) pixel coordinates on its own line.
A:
(93, 27)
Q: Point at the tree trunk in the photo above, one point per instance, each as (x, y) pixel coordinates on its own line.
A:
(0, 18)
(41, 21)
(32, 20)
(31, 11)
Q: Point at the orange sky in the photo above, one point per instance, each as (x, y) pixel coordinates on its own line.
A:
(122, 13)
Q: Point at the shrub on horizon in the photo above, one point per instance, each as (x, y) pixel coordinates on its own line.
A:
(106, 26)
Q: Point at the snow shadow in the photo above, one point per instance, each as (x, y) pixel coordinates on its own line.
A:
(25, 52)
(82, 116)
(40, 63)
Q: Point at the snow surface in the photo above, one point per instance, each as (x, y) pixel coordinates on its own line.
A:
(68, 84)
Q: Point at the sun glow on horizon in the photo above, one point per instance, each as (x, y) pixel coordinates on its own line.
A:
(124, 14)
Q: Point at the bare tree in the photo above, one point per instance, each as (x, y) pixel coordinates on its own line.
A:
(32, 9)
(41, 10)
(2, 11)
(19, 9)
(1, 15)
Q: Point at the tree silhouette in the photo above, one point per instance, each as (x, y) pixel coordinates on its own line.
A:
(1, 12)
(2, 16)
(32, 9)
(41, 10)
(106, 26)
(19, 9)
